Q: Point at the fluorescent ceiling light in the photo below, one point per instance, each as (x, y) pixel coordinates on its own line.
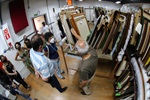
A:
(99, 0)
(118, 2)
(80, 0)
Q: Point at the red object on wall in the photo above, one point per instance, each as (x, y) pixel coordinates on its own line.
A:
(18, 15)
(69, 2)
(6, 33)
(1, 65)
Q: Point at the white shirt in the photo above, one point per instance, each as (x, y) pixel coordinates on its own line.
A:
(42, 64)
(45, 29)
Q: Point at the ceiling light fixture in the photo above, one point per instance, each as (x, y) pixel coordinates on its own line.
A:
(80, 0)
(99, 0)
(118, 2)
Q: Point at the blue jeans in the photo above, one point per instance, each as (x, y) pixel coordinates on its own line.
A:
(23, 95)
(57, 68)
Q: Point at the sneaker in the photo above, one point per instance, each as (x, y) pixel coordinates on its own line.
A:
(29, 86)
(62, 72)
(64, 89)
(83, 93)
(28, 89)
(63, 77)
(28, 95)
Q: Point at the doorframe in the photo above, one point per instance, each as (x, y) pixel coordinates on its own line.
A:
(46, 21)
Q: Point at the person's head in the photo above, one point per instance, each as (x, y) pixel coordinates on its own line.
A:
(18, 45)
(43, 23)
(37, 42)
(82, 47)
(3, 58)
(49, 37)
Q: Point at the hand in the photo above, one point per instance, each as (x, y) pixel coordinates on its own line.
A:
(37, 74)
(15, 73)
(75, 34)
(73, 31)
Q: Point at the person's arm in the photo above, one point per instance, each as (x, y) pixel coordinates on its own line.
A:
(15, 73)
(25, 48)
(16, 57)
(45, 51)
(49, 28)
(25, 45)
(75, 34)
(37, 74)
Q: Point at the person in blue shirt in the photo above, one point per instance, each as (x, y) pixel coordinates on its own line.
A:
(43, 66)
(50, 50)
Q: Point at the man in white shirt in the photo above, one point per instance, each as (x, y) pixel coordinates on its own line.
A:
(45, 28)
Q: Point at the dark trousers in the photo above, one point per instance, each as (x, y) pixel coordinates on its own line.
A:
(19, 79)
(3, 98)
(54, 83)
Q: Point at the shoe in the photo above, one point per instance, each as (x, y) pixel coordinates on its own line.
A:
(35, 99)
(63, 77)
(62, 72)
(28, 89)
(83, 93)
(29, 86)
(64, 89)
(28, 95)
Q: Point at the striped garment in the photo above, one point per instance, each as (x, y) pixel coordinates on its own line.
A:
(41, 63)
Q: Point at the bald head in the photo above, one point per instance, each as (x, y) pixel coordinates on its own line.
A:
(36, 42)
(82, 47)
(81, 43)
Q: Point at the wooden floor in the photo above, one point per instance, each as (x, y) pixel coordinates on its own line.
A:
(102, 88)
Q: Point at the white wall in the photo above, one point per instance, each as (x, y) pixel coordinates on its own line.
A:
(104, 4)
(41, 5)
(34, 7)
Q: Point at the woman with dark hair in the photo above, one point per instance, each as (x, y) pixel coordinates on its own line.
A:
(8, 84)
(27, 42)
(12, 72)
(50, 50)
(23, 53)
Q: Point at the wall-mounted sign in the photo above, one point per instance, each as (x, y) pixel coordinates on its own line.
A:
(69, 2)
(7, 36)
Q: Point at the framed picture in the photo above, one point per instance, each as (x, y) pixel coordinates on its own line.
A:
(81, 24)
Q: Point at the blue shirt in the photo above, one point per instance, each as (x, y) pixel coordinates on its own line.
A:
(41, 63)
(53, 54)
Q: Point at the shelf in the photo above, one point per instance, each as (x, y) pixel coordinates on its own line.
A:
(145, 79)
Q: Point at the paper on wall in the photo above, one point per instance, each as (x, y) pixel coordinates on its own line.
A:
(138, 28)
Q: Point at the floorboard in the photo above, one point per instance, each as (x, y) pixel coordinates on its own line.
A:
(102, 88)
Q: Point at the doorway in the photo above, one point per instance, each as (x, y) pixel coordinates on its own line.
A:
(37, 22)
